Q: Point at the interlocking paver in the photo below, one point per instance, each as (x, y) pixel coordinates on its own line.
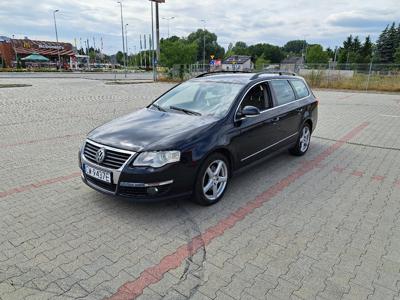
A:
(332, 233)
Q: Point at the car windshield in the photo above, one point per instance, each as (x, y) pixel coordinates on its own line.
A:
(207, 98)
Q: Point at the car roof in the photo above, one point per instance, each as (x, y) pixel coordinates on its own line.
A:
(242, 78)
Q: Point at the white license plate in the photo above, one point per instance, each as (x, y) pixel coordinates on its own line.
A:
(98, 174)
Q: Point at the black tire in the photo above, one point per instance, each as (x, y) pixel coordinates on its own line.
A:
(300, 148)
(200, 196)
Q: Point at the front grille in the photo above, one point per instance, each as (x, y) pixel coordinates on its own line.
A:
(113, 159)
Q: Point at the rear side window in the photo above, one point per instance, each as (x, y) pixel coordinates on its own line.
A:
(283, 91)
(300, 88)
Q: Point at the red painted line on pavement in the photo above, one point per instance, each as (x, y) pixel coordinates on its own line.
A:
(151, 275)
(378, 178)
(32, 186)
(358, 173)
(39, 140)
(339, 169)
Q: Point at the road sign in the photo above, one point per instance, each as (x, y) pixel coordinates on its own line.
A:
(212, 56)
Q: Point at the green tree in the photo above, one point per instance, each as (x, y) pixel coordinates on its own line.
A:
(229, 52)
(212, 46)
(366, 51)
(397, 56)
(295, 47)
(178, 52)
(331, 53)
(241, 48)
(387, 44)
(260, 62)
(273, 53)
(316, 55)
(120, 57)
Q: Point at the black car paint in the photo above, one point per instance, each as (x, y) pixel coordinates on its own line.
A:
(198, 136)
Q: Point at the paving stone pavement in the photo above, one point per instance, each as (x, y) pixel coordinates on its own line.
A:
(323, 226)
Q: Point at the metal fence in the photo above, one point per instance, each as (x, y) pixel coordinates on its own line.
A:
(381, 77)
(378, 77)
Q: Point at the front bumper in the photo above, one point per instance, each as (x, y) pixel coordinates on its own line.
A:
(142, 183)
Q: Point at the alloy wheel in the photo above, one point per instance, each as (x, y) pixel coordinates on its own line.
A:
(215, 180)
(305, 139)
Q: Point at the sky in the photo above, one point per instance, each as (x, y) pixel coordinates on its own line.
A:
(252, 21)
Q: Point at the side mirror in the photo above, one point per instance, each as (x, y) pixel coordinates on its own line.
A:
(249, 111)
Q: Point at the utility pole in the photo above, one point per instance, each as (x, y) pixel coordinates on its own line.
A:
(168, 19)
(204, 44)
(126, 42)
(123, 39)
(157, 32)
(153, 64)
(58, 49)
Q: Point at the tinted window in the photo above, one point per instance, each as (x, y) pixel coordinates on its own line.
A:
(283, 91)
(256, 97)
(300, 88)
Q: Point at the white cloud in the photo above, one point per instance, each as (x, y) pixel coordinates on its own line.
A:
(251, 21)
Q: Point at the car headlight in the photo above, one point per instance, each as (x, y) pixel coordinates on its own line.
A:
(156, 159)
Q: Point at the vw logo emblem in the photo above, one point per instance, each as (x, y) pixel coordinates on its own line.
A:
(100, 155)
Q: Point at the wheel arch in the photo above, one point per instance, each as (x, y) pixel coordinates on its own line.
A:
(309, 122)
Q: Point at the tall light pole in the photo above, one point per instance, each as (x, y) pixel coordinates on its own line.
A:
(55, 27)
(123, 39)
(204, 43)
(126, 42)
(168, 19)
(157, 30)
(153, 64)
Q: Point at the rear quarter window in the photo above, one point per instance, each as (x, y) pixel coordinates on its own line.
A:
(300, 88)
(283, 91)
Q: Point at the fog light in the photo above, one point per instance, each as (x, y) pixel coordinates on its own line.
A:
(152, 190)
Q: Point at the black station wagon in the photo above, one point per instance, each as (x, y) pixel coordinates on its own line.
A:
(190, 140)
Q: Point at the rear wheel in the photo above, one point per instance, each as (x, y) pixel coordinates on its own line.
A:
(212, 180)
(303, 142)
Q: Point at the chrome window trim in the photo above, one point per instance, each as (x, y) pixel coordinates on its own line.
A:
(116, 172)
(268, 109)
(270, 146)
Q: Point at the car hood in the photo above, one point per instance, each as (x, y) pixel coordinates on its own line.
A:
(149, 129)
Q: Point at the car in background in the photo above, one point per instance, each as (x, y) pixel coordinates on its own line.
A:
(192, 139)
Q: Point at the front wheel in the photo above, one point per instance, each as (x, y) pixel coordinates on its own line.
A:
(212, 180)
(303, 142)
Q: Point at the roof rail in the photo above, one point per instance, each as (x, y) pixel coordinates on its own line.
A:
(273, 72)
(220, 72)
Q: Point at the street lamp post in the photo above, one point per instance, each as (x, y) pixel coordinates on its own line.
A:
(153, 64)
(168, 19)
(204, 44)
(126, 43)
(55, 27)
(123, 39)
(157, 31)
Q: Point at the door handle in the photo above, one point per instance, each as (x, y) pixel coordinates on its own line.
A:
(273, 121)
(276, 119)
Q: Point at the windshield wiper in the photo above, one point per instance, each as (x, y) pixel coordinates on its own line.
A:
(186, 111)
(158, 107)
